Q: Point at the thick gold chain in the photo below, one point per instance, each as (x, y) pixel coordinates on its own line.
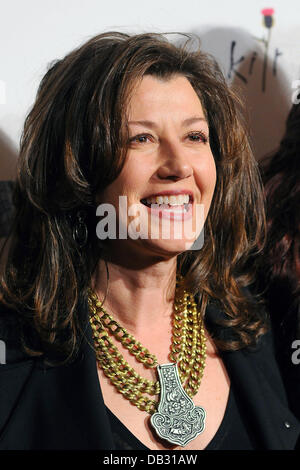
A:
(188, 349)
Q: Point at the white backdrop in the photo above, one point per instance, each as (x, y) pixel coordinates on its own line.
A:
(35, 32)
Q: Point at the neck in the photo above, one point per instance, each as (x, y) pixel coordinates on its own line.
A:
(137, 298)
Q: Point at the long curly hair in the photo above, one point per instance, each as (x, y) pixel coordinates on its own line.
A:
(74, 144)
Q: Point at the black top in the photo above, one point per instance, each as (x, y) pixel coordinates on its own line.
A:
(284, 310)
(43, 407)
(233, 433)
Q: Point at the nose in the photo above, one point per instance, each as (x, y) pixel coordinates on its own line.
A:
(175, 164)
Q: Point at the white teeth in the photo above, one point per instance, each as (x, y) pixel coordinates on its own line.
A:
(172, 200)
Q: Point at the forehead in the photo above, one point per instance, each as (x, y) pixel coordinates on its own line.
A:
(152, 95)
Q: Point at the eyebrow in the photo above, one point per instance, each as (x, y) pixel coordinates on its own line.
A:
(153, 125)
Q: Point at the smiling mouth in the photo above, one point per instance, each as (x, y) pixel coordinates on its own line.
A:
(172, 202)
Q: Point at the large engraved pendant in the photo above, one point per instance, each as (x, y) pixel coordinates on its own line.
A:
(177, 420)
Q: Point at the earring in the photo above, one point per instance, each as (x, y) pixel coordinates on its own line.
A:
(80, 230)
(107, 282)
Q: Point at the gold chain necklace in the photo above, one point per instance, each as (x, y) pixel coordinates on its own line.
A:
(178, 381)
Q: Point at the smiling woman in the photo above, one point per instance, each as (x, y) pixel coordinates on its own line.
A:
(140, 337)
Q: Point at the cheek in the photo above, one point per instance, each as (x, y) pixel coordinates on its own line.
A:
(111, 193)
(205, 177)
(136, 173)
(131, 182)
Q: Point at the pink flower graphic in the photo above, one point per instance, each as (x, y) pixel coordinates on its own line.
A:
(268, 11)
(268, 20)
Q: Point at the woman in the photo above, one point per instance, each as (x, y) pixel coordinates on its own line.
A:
(280, 266)
(117, 298)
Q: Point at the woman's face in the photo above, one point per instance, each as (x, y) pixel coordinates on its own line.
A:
(169, 175)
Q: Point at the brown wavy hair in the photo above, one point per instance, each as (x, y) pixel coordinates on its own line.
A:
(74, 144)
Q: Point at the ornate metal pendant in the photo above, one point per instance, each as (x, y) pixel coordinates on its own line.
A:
(177, 420)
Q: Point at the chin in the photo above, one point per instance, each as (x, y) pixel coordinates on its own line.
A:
(169, 247)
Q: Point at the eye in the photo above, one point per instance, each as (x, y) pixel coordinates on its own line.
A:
(140, 139)
(197, 137)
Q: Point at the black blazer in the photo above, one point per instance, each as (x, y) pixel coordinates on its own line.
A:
(63, 408)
